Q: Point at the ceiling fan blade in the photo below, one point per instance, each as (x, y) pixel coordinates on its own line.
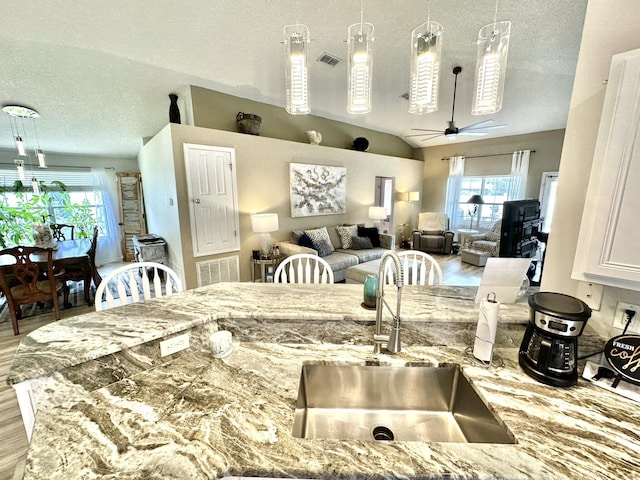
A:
(482, 124)
(430, 135)
(468, 133)
(426, 130)
(492, 127)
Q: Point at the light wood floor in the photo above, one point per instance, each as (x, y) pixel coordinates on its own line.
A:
(12, 435)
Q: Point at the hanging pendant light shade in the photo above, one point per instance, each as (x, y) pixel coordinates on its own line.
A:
(41, 159)
(296, 38)
(39, 152)
(20, 146)
(491, 66)
(20, 166)
(360, 46)
(426, 48)
(35, 185)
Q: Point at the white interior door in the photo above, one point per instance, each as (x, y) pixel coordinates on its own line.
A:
(211, 181)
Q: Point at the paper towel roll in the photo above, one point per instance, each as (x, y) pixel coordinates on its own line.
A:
(486, 329)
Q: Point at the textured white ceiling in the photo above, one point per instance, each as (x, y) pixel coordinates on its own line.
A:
(99, 72)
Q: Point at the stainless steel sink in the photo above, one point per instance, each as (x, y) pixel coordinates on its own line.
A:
(409, 403)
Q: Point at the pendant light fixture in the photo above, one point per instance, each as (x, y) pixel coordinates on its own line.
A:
(19, 113)
(360, 52)
(426, 52)
(296, 38)
(491, 66)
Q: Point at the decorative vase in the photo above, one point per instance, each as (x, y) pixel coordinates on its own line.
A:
(248, 123)
(174, 111)
(370, 291)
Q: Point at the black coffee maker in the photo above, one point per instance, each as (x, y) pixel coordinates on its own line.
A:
(549, 349)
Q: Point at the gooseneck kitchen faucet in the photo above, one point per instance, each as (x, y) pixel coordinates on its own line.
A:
(392, 340)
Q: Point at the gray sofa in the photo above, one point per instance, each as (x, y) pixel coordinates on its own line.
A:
(341, 258)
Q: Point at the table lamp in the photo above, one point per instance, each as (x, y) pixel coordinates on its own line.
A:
(376, 214)
(264, 223)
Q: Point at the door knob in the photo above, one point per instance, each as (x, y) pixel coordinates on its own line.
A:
(197, 200)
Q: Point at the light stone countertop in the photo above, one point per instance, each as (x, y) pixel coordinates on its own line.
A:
(128, 414)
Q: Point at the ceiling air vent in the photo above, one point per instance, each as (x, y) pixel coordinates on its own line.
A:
(329, 59)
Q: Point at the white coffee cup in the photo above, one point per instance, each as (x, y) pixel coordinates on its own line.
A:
(220, 343)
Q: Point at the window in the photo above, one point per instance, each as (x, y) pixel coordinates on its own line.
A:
(80, 189)
(494, 190)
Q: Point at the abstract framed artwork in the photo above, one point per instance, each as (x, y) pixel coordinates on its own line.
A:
(317, 189)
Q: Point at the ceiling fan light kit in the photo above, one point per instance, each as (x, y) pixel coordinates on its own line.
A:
(296, 38)
(426, 52)
(491, 63)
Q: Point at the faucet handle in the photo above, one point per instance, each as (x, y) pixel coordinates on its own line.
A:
(380, 338)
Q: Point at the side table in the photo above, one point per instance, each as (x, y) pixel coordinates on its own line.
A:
(463, 233)
(267, 267)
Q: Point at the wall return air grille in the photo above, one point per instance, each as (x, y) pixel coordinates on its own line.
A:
(225, 269)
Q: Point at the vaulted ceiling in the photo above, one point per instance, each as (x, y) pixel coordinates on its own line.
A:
(99, 72)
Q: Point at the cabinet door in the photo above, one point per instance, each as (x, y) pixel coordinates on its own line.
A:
(608, 251)
(213, 199)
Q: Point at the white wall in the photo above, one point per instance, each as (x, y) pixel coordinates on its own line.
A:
(160, 196)
(609, 28)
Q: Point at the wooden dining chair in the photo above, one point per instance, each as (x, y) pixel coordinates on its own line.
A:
(84, 270)
(135, 282)
(27, 278)
(57, 231)
(303, 268)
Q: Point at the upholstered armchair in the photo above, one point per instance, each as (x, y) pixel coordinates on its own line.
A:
(486, 242)
(433, 234)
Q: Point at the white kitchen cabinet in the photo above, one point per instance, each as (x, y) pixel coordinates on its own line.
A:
(608, 250)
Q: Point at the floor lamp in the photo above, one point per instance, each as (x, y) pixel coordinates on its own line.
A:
(475, 200)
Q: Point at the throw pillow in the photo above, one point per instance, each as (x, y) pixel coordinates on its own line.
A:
(361, 243)
(305, 241)
(372, 233)
(318, 236)
(323, 248)
(347, 234)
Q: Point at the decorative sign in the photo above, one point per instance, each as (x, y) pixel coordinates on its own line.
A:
(623, 354)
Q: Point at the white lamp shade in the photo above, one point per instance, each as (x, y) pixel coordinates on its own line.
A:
(426, 48)
(264, 222)
(377, 213)
(491, 66)
(296, 38)
(402, 196)
(360, 46)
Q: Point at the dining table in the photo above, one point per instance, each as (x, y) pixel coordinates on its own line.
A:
(71, 254)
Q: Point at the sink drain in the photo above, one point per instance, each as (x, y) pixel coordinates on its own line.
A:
(383, 433)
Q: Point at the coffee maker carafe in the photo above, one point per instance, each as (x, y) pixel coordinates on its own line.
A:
(549, 349)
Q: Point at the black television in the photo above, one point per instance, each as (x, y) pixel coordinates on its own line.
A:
(520, 223)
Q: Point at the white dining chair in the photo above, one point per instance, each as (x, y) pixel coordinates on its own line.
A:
(303, 268)
(418, 268)
(136, 282)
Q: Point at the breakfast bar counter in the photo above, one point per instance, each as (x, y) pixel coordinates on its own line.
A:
(109, 407)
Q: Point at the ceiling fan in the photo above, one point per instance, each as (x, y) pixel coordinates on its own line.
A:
(475, 129)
